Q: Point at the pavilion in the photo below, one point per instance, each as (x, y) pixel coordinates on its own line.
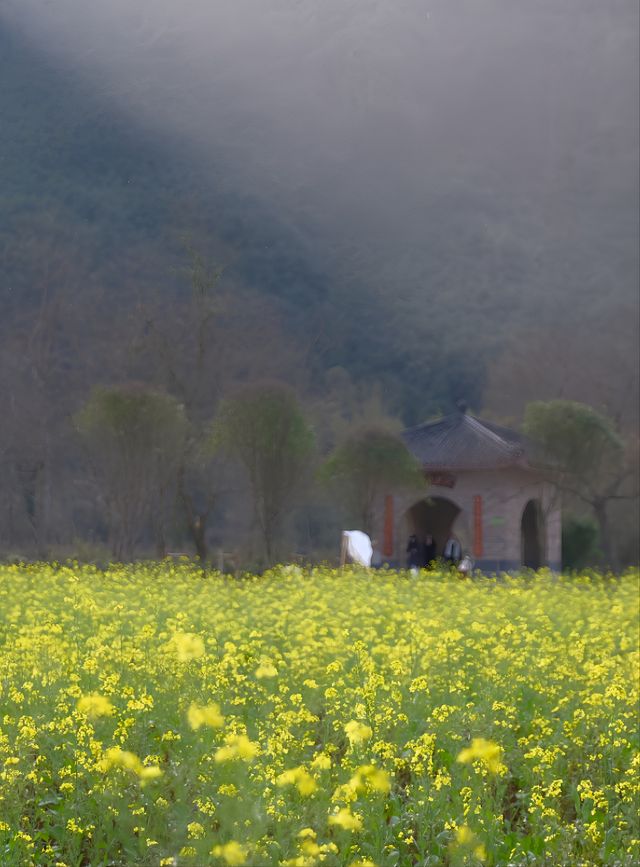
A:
(485, 488)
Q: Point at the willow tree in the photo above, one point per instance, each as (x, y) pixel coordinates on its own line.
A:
(134, 437)
(263, 427)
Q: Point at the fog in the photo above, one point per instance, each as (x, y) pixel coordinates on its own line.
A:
(469, 165)
(383, 129)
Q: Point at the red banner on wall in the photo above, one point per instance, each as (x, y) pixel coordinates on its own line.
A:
(388, 526)
(442, 480)
(477, 526)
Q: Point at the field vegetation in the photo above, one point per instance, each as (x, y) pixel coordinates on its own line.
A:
(161, 715)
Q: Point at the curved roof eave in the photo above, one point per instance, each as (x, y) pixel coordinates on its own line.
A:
(460, 442)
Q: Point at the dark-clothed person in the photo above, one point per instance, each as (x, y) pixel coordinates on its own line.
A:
(413, 552)
(429, 551)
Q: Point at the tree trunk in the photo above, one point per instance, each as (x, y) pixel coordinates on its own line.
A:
(272, 535)
(198, 530)
(196, 521)
(161, 543)
(606, 536)
(267, 536)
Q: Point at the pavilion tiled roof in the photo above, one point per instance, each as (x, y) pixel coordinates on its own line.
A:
(460, 441)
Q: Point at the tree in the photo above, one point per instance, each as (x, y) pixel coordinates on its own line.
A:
(40, 329)
(584, 456)
(218, 334)
(370, 463)
(135, 436)
(579, 542)
(264, 428)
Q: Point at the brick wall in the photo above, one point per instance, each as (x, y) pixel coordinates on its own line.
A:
(497, 515)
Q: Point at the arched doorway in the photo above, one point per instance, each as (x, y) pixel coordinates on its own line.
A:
(532, 535)
(434, 515)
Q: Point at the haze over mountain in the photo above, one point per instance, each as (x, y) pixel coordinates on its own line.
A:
(422, 169)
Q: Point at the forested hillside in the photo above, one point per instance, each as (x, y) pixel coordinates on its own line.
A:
(389, 286)
(86, 189)
(90, 201)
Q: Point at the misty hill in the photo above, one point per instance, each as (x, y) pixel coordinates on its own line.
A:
(104, 207)
(403, 249)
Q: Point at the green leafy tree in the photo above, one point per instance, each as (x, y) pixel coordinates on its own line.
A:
(370, 463)
(264, 428)
(135, 438)
(584, 457)
(579, 542)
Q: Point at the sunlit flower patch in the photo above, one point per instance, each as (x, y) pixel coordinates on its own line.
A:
(157, 714)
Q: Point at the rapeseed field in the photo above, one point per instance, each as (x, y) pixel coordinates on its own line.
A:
(161, 715)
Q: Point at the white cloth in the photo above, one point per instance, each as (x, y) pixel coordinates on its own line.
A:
(359, 547)
(466, 565)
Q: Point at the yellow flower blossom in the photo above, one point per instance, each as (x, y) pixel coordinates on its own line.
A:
(488, 752)
(237, 747)
(233, 854)
(266, 670)
(117, 758)
(95, 705)
(206, 715)
(466, 839)
(357, 732)
(187, 646)
(300, 778)
(347, 820)
(368, 776)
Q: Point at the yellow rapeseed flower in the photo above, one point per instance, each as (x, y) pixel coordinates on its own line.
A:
(187, 646)
(237, 747)
(95, 705)
(383, 660)
(149, 772)
(233, 854)
(368, 776)
(466, 839)
(357, 732)
(344, 818)
(266, 669)
(205, 715)
(300, 778)
(488, 752)
(117, 758)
